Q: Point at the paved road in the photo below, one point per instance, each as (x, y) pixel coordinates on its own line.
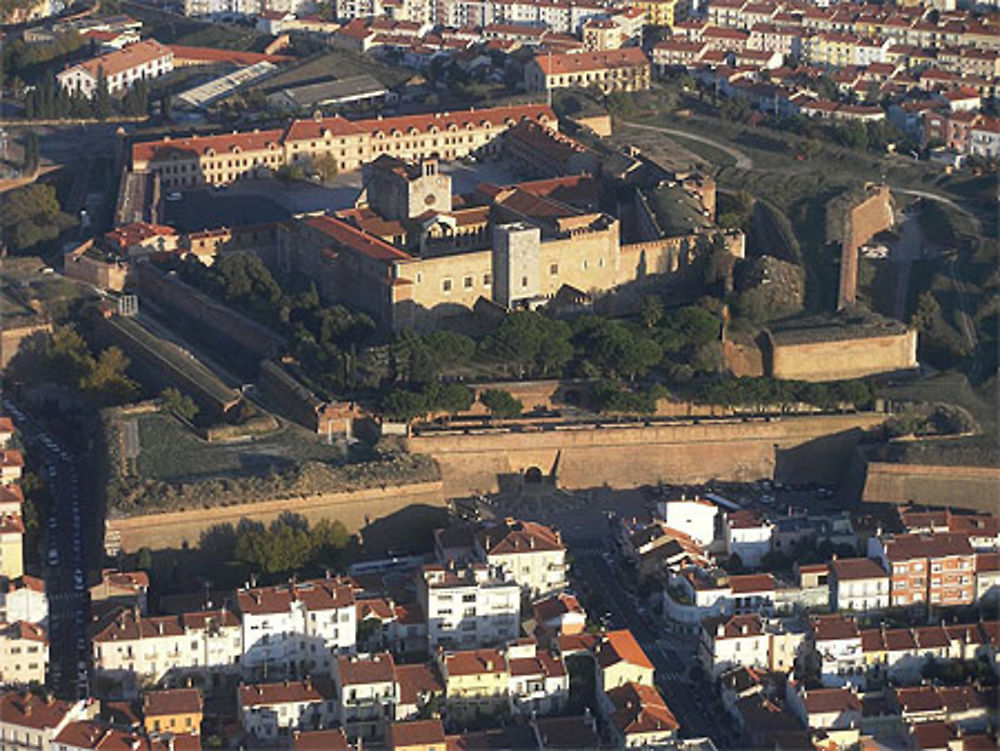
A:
(65, 556)
(672, 654)
(743, 161)
(940, 199)
(903, 254)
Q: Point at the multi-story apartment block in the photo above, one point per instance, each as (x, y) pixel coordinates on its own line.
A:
(621, 660)
(24, 654)
(11, 466)
(557, 615)
(121, 69)
(269, 711)
(29, 722)
(11, 545)
(660, 12)
(6, 431)
(858, 584)
(469, 606)
(625, 69)
(126, 588)
(694, 517)
(938, 569)
(136, 646)
(983, 530)
(528, 553)
(298, 626)
(750, 641)
(367, 694)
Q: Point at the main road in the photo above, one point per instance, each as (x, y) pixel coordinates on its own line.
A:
(64, 560)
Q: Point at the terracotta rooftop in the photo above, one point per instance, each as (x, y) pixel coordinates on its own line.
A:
(639, 709)
(474, 662)
(319, 740)
(824, 700)
(513, 536)
(742, 584)
(315, 595)
(918, 699)
(286, 692)
(426, 733)
(556, 606)
(831, 627)
(935, 545)
(417, 680)
(376, 668)
(172, 701)
(579, 62)
(848, 569)
(31, 711)
(621, 646)
(132, 56)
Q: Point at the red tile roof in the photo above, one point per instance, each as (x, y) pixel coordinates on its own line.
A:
(124, 59)
(514, 536)
(937, 545)
(172, 701)
(416, 681)
(417, 733)
(349, 236)
(579, 62)
(848, 569)
(31, 711)
(824, 700)
(319, 740)
(286, 692)
(832, 627)
(315, 595)
(742, 584)
(474, 662)
(621, 646)
(639, 709)
(214, 55)
(376, 668)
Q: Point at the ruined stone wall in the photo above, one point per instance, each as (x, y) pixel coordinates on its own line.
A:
(178, 528)
(956, 486)
(861, 224)
(841, 359)
(795, 449)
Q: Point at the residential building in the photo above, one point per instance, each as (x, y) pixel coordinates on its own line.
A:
(269, 711)
(477, 682)
(621, 660)
(625, 69)
(173, 710)
(367, 693)
(6, 431)
(528, 553)
(937, 568)
(659, 12)
(121, 69)
(747, 535)
(126, 588)
(858, 584)
(417, 735)
(836, 644)
(11, 545)
(539, 682)
(557, 615)
(11, 466)
(88, 735)
(640, 718)
(824, 708)
(298, 626)
(131, 646)
(24, 654)
(24, 599)
(694, 517)
(987, 577)
(29, 721)
(320, 740)
(468, 607)
(420, 690)
(750, 641)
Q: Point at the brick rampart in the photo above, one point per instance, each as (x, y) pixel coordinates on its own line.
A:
(938, 485)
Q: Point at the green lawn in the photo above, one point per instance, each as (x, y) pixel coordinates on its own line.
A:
(171, 452)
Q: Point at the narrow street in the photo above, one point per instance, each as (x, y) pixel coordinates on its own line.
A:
(64, 561)
(672, 654)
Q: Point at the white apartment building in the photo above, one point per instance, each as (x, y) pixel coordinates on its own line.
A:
(985, 139)
(837, 644)
(468, 607)
(24, 599)
(297, 626)
(367, 694)
(749, 641)
(30, 723)
(859, 584)
(528, 553)
(134, 646)
(748, 535)
(557, 16)
(122, 68)
(24, 654)
(539, 682)
(695, 517)
(269, 710)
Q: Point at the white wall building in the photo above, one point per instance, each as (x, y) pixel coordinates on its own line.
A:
(122, 69)
(858, 584)
(468, 607)
(528, 553)
(297, 627)
(695, 517)
(367, 694)
(24, 599)
(748, 535)
(268, 709)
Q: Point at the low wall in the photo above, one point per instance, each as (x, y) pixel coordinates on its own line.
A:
(841, 359)
(354, 510)
(938, 485)
(793, 449)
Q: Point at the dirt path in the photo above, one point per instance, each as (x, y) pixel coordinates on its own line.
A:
(742, 160)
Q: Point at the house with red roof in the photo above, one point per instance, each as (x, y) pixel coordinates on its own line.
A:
(625, 69)
(269, 710)
(367, 694)
(529, 553)
(121, 69)
(639, 716)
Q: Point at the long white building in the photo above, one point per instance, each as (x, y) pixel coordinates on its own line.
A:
(122, 69)
(468, 607)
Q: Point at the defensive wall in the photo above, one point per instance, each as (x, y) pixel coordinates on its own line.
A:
(959, 486)
(842, 359)
(12, 333)
(175, 529)
(861, 223)
(581, 455)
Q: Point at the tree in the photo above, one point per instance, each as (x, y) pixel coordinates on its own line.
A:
(145, 559)
(31, 153)
(102, 97)
(326, 166)
(180, 404)
(108, 381)
(31, 215)
(534, 344)
(67, 356)
(651, 311)
(501, 403)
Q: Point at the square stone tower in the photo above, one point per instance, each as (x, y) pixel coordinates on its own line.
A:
(516, 264)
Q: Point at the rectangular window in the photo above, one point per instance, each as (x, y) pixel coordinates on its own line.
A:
(446, 285)
(524, 281)
(554, 269)
(467, 282)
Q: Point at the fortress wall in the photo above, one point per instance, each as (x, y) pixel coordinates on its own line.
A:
(956, 486)
(632, 454)
(178, 528)
(841, 359)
